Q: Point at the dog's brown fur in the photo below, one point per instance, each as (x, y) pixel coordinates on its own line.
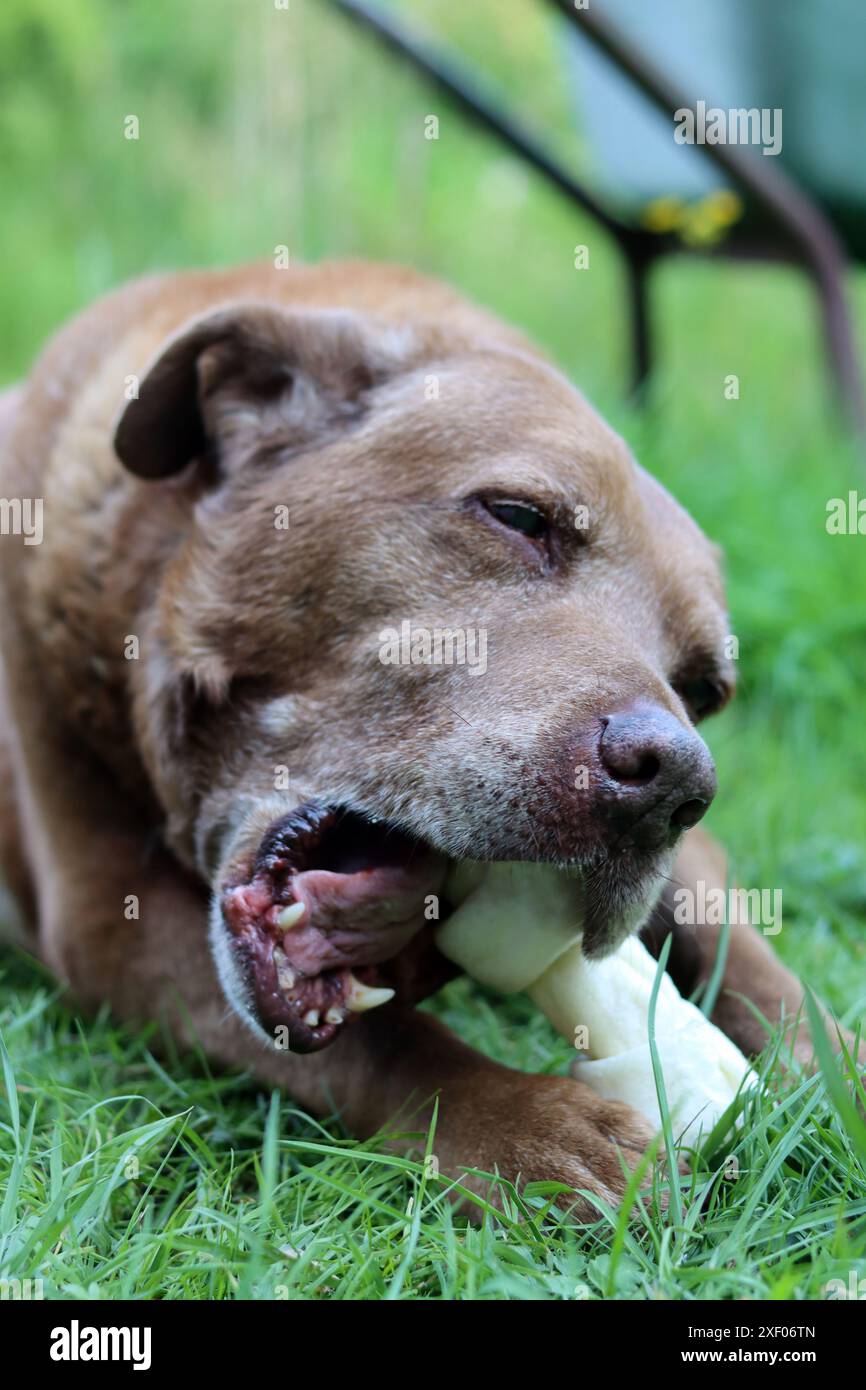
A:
(370, 402)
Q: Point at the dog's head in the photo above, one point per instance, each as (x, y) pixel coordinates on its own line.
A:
(422, 606)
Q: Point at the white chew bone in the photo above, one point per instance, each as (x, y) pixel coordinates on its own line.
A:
(611, 998)
(512, 921)
(517, 927)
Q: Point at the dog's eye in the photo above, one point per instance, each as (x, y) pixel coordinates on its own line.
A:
(519, 516)
(702, 697)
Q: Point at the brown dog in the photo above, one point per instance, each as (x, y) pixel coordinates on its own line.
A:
(235, 775)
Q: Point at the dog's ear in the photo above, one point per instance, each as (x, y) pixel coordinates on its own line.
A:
(246, 372)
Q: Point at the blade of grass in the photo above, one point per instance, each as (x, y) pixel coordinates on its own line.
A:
(658, 1077)
(833, 1078)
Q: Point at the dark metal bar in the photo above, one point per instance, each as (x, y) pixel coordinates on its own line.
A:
(819, 249)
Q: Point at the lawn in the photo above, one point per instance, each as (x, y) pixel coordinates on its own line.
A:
(126, 1171)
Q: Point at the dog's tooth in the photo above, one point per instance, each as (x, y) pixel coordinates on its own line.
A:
(333, 1016)
(360, 998)
(291, 915)
(312, 1018)
(285, 973)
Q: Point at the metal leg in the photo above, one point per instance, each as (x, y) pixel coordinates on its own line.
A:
(840, 345)
(638, 268)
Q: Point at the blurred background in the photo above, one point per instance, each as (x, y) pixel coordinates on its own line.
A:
(261, 126)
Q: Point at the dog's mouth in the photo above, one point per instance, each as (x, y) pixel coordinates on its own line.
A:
(337, 910)
(330, 896)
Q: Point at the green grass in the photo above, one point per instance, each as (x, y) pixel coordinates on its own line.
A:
(128, 1176)
(233, 1193)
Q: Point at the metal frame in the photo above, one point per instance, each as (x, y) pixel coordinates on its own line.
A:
(807, 238)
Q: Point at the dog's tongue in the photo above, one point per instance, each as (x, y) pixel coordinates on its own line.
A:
(338, 920)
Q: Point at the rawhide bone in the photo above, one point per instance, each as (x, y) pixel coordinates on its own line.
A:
(517, 927)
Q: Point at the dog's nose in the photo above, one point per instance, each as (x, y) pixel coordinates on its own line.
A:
(660, 777)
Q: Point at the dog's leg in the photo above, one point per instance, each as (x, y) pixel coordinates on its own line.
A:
(752, 970)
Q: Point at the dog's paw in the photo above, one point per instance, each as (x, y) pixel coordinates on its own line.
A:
(544, 1129)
